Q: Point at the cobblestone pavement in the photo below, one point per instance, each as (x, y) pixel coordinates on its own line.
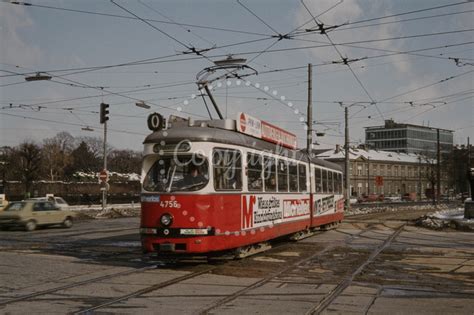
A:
(369, 265)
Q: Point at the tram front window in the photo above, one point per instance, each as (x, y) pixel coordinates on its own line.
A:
(177, 173)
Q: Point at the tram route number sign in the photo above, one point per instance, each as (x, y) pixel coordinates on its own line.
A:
(103, 176)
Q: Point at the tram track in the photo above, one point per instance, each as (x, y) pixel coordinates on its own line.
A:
(275, 275)
(76, 284)
(226, 299)
(334, 293)
(144, 291)
(148, 289)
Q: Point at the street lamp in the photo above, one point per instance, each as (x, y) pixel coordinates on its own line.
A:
(142, 105)
(38, 77)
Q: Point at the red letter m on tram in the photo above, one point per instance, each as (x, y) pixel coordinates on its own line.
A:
(247, 211)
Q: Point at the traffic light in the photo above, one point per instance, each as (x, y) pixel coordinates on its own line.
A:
(104, 112)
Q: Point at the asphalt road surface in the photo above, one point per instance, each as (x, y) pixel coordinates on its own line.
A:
(368, 265)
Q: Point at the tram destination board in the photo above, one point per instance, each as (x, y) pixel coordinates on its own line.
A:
(260, 129)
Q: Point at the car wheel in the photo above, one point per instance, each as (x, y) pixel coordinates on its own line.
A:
(30, 225)
(67, 223)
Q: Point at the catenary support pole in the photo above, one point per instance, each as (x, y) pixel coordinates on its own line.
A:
(346, 159)
(309, 138)
(438, 168)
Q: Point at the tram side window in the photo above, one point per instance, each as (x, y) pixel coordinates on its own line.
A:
(282, 175)
(325, 181)
(269, 173)
(302, 177)
(254, 167)
(330, 182)
(293, 170)
(227, 169)
(338, 183)
(317, 179)
(335, 177)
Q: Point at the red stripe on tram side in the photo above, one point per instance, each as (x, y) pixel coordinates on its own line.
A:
(221, 212)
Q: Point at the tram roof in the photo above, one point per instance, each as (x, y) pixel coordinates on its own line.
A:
(205, 133)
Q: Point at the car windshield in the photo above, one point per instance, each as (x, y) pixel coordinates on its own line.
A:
(15, 206)
(177, 173)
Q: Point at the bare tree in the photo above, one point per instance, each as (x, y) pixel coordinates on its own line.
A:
(125, 161)
(56, 154)
(28, 157)
(95, 145)
(83, 160)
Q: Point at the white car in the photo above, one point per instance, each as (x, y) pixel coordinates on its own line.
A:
(58, 201)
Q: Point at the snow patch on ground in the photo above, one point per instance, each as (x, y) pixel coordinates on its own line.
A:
(448, 218)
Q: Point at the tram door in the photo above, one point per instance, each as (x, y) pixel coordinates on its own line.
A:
(316, 189)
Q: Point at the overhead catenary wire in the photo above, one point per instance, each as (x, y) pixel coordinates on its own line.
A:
(420, 88)
(344, 60)
(131, 18)
(399, 14)
(171, 20)
(151, 25)
(242, 53)
(256, 53)
(348, 27)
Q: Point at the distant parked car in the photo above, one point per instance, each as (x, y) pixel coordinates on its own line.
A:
(393, 199)
(409, 197)
(370, 198)
(32, 213)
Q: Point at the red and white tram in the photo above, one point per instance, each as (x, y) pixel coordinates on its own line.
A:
(217, 185)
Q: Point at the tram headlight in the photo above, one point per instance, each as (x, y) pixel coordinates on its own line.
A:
(166, 219)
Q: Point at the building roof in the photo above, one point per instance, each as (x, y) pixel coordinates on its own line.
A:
(373, 155)
(390, 124)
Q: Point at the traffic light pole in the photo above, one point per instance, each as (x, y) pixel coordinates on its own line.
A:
(104, 188)
(104, 112)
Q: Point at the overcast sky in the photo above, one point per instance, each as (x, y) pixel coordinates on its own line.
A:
(411, 67)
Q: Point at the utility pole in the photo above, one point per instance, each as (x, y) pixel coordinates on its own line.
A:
(309, 138)
(438, 168)
(469, 167)
(346, 159)
(368, 174)
(419, 178)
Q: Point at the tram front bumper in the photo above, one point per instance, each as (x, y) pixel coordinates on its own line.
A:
(176, 240)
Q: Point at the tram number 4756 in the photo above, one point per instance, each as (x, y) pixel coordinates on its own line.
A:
(170, 204)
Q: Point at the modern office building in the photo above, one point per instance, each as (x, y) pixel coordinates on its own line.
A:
(406, 138)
